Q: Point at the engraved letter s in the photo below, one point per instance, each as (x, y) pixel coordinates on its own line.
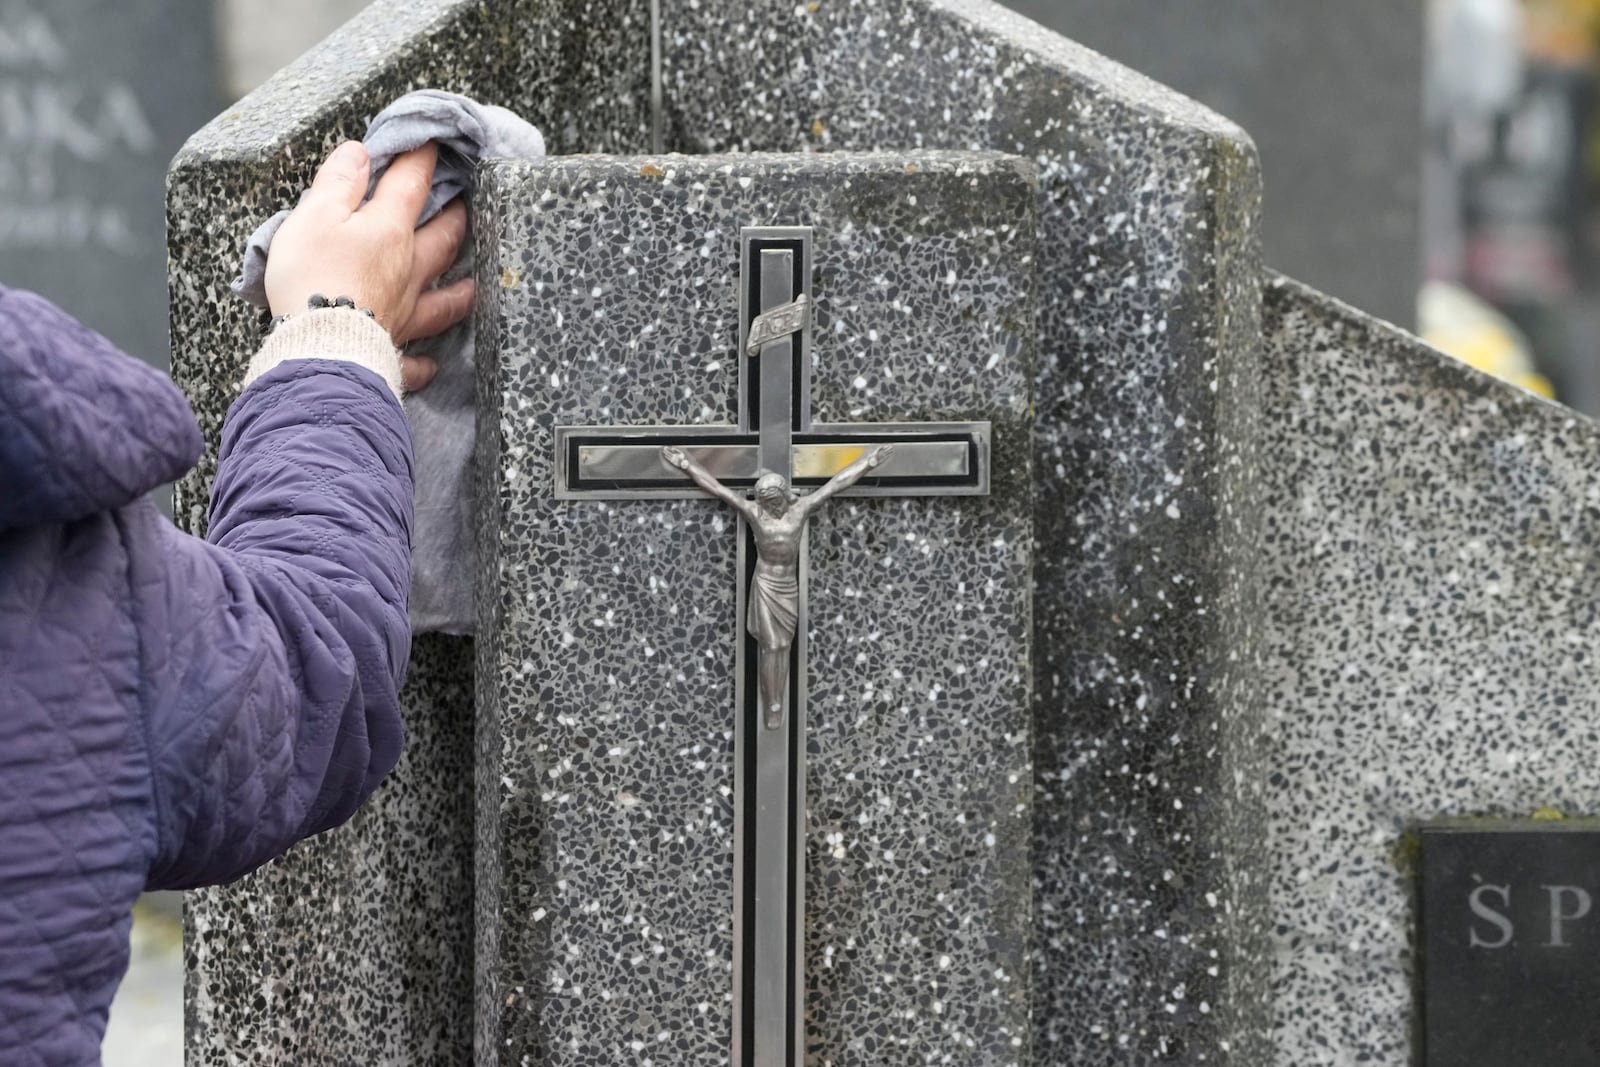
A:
(1483, 911)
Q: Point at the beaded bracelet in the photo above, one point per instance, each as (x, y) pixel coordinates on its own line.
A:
(316, 302)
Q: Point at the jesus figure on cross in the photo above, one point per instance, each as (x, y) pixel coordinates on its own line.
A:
(777, 518)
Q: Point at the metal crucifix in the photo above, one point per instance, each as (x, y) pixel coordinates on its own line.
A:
(774, 451)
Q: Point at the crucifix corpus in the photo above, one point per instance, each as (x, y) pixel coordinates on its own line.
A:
(777, 522)
(771, 455)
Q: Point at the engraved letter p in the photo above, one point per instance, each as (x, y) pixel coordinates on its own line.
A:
(1582, 903)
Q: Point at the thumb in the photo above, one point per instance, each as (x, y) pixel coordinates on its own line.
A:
(341, 181)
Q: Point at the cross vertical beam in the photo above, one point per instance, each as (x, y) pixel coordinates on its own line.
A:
(769, 774)
(777, 365)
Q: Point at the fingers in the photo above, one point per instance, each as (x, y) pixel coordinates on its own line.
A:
(341, 181)
(403, 189)
(416, 372)
(438, 243)
(439, 309)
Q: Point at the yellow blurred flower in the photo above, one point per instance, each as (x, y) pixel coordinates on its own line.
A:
(1460, 324)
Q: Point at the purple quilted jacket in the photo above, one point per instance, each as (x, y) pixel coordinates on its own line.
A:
(176, 712)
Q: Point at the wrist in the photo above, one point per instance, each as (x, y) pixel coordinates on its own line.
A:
(317, 302)
(334, 332)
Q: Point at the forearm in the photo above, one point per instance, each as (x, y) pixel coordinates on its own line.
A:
(276, 711)
(838, 483)
(316, 472)
(273, 718)
(704, 480)
(293, 627)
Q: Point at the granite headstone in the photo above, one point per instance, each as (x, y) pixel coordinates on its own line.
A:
(1299, 582)
(95, 97)
(1413, 600)
(1149, 279)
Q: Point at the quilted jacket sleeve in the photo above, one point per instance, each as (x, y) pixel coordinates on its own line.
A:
(277, 710)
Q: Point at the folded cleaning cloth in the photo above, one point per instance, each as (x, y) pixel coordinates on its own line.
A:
(442, 416)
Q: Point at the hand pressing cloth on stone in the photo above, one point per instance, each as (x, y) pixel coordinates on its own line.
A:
(442, 417)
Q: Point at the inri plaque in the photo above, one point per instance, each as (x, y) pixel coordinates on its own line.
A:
(1510, 944)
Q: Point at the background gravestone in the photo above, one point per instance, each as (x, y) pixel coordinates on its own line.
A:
(259, 39)
(1411, 560)
(88, 123)
(1332, 96)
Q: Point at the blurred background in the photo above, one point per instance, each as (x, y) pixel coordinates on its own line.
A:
(1511, 161)
(1434, 162)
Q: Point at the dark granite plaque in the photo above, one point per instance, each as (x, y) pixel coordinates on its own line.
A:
(95, 97)
(1510, 939)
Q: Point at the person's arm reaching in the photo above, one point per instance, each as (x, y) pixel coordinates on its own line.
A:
(272, 707)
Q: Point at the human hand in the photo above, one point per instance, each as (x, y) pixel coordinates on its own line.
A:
(880, 454)
(334, 245)
(675, 456)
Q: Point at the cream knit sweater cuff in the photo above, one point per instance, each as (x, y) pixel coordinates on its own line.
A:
(330, 333)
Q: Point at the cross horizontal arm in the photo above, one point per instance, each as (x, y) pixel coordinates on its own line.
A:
(624, 463)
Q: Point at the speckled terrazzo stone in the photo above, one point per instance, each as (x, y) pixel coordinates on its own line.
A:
(605, 863)
(356, 948)
(1150, 281)
(1422, 560)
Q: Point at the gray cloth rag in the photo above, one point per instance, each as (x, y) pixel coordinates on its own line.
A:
(442, 416)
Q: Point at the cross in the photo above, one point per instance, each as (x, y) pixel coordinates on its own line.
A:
(774, 435)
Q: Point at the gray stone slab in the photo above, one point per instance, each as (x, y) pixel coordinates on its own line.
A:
(346, 951)
(1331, 94)
(95, 97)
(1415, 548)
(605, 860)
(1149, 272)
